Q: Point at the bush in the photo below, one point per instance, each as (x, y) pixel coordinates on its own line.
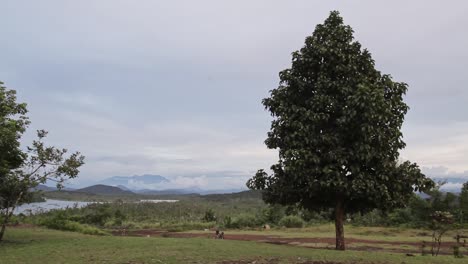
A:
(243, 220)
(98, 214)
(209, 216)
(291, 221)
(272, 214)
(67, 225)
(315, 217)
(400, 216)
(372, 218)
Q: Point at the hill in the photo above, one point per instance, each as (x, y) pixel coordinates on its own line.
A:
(44, 188)
(134, 182)
(101, 189)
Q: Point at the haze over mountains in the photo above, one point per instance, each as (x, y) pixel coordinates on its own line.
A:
(157, 184)
(131, 182)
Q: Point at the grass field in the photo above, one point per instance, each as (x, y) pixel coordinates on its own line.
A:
(359, 232)
(38, 245)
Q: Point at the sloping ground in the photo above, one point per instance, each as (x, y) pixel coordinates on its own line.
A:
(39, 245)
(309, 242)
(277, 260)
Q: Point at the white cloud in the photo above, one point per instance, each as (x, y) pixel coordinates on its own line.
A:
(436, 146)
(174, 87)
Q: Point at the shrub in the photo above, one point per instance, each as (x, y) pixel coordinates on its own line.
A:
(98, 214)
(400, 216)
(372, 218)
(243, 220)
(272, 214)
(209, 216)
(291, 221)
(67, 225)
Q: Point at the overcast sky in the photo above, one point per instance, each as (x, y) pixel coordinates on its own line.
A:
(174, 87)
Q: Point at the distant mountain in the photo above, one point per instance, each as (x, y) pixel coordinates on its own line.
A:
(450, 179)
(104, 190)
(134, 182)
(123, 188)
(452, 184)
(156, 185)
(168, 191)
(187, 191)
(44, 188)
(250, 194)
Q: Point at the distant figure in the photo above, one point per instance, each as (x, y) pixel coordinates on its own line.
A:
(219, 235)
(266, 227)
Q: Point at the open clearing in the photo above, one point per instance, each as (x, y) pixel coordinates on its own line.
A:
(38, 245)
(321, 237)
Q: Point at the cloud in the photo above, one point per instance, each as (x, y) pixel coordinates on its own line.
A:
(174, 87)
(435, 146)
(441, 172)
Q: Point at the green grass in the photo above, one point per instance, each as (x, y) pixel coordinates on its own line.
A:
(368, 233)
(37, 245)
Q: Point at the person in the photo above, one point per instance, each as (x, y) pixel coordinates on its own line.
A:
(219, 235)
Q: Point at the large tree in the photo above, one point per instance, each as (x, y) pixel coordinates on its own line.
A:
(336, 124)
(21, 171)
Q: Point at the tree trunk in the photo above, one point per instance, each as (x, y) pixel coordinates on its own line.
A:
(8, 214)
(339, 219)
(2, 231)
(4, 222)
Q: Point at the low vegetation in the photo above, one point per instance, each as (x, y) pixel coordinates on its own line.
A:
(37, 245)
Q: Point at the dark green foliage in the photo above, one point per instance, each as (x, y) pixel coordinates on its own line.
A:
(244, 220)
(400, 216)
(21, 171)
(317, 217)
(336, 124)
(13, 123)
(417, 213)
(119, 217)
(98, 214)
(441, 223)
(420, 209)
(291, 221)
(209, 216)
(187, 214)
(464, 203)
(273, 214)
(60, 221)
(372, 218)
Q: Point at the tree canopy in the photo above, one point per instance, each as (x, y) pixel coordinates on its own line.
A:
(22, 170)
(13, 123)
(337, 125)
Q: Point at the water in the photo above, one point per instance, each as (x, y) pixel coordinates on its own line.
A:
(158, 201)
(49, 204)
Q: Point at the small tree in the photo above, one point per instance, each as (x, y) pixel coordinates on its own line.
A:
(336, 125)
(440, 224)
(21, 171)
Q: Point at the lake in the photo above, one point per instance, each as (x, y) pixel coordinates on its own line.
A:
(51, 204)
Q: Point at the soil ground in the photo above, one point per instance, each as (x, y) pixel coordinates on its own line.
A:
(407, 247)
